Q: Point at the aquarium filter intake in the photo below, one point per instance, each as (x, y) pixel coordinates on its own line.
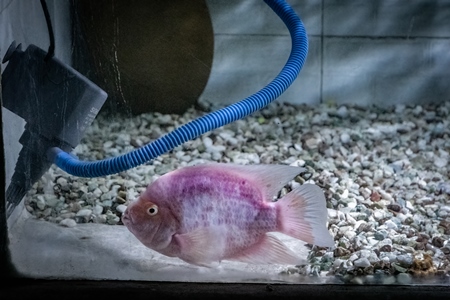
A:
(57, 104)
(208, 122)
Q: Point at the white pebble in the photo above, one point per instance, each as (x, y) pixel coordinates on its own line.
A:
(342, 112)
(430, 213)
(51, 200)
(361, 262)
(442, 213)
(344, 229)
(101, 219)
(345, 138)
(441, 162)
(391, 225)
(337, 262)
(40, 202)
(350, 219)
(207, 142)
(112, 220)
(61, 181)
(378, 214)
(84, 212)
(68, 223)
(298, 163)
(351, 203)
(385, 259)
(108, 145)
(377, 175)
(410, 206)
(350, 234)
(417, 110)
(92, 186)
(165, 119)
(386, 196)
(312, 143)
(121, 208)
(107, 203)
(97, 193)
(332, 213)
(97, 210)
(367, 173)
(353, 257)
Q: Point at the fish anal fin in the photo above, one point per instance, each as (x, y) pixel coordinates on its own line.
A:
(269, 250)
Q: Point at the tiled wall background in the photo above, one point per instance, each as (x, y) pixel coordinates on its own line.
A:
(364, 52)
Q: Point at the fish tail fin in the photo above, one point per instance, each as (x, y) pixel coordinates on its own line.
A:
(302, 214)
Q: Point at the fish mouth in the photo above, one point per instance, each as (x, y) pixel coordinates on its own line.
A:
(126, 218)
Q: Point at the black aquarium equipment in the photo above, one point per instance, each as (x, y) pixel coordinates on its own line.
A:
(57, 103)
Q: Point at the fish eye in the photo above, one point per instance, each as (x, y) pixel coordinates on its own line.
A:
(152, 210)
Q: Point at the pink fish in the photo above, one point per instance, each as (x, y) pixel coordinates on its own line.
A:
(212, 212)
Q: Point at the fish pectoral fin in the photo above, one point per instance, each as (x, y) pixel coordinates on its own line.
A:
(269, 250)
(201, 246)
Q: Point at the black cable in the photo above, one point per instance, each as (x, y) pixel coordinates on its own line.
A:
(51, 48)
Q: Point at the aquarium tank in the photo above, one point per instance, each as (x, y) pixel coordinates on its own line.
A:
(278, 143)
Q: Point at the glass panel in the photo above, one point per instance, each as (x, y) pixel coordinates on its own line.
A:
(367, 122)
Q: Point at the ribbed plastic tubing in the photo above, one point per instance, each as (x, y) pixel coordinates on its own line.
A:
(211, 121)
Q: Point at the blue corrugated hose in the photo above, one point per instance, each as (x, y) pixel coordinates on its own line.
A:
(206, 123)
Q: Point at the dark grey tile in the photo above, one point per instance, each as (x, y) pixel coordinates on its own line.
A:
(414, 18)
(384, 72)
(255, 17)
(243, 65)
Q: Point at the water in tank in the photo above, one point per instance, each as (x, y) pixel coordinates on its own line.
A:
(340, 175)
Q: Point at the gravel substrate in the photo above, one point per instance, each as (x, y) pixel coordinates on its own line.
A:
(385, 173)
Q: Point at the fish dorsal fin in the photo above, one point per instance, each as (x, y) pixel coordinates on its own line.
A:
(270, 250)
(269, 178)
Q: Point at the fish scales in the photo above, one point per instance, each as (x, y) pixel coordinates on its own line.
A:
(208, 198)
